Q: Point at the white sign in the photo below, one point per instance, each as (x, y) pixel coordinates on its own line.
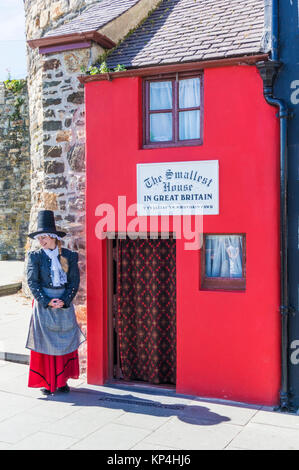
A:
(178, 188)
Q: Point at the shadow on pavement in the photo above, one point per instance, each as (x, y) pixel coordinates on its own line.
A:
(196, 415)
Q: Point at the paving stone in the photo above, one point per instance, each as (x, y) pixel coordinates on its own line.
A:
(10, 371)
(53, 408)
(13, 404)
(277, 419)
(142, 446)
(233, 413)
(146, 394)
(20, 384)
(83, 422)
(44, 441)
(112, 436)
(267, 437)
(178, 434)
(22, 425)
(5, 446)
(232, 447)
(141, 419)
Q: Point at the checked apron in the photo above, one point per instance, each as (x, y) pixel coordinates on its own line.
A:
(53, 331)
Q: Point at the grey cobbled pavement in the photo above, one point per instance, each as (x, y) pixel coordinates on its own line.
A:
(121, 418)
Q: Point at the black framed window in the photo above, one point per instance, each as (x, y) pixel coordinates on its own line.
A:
(173, 111)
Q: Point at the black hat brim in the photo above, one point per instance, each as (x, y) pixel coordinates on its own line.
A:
(40, 232)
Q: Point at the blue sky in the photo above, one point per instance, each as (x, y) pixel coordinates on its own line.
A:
(12, 39)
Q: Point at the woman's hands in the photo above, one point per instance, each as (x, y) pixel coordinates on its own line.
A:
(56, 303)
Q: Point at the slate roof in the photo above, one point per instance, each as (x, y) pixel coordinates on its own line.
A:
(192, 30)
(94, 17)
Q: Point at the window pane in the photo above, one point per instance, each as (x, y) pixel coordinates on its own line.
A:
(224, 256)
(189, 125)
(189, 93)
(160, 95)
(160, 127)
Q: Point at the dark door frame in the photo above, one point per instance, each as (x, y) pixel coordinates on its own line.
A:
(113, 368)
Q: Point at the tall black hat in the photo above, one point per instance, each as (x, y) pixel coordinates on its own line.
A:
(46, 224)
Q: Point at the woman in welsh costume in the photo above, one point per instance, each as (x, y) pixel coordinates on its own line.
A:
(54, 334)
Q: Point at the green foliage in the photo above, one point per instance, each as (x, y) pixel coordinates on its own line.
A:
(15, 87)
(119, 68)
(17, 112)
(102, 68)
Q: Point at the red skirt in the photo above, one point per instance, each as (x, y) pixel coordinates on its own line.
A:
(52, 372)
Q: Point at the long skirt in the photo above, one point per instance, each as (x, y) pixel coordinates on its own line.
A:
(52, 372)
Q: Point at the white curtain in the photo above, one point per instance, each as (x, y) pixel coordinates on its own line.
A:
(224, 256)
(189, 97)
(189, 93)
(189, 125)
(160, 95)
(160, 123)
(160, 127)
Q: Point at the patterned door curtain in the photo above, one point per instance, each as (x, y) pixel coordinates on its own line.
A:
(146, 310)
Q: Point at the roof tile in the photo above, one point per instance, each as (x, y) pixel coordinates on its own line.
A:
(185, 30)
(94, 17)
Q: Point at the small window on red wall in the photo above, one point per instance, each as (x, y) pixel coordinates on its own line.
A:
(173, 111)
(223, 262)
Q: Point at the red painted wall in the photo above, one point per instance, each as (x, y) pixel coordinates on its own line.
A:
(228, 343)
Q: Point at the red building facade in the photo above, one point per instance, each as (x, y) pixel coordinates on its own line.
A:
(227, 338)
(190, 103)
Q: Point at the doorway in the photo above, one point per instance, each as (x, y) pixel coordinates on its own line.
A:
(142, 310)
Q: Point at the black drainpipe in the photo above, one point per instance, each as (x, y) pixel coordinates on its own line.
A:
(268, 71)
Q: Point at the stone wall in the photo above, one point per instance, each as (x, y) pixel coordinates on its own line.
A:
(14, 174)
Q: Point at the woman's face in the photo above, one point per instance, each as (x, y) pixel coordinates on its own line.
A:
(47, 242)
